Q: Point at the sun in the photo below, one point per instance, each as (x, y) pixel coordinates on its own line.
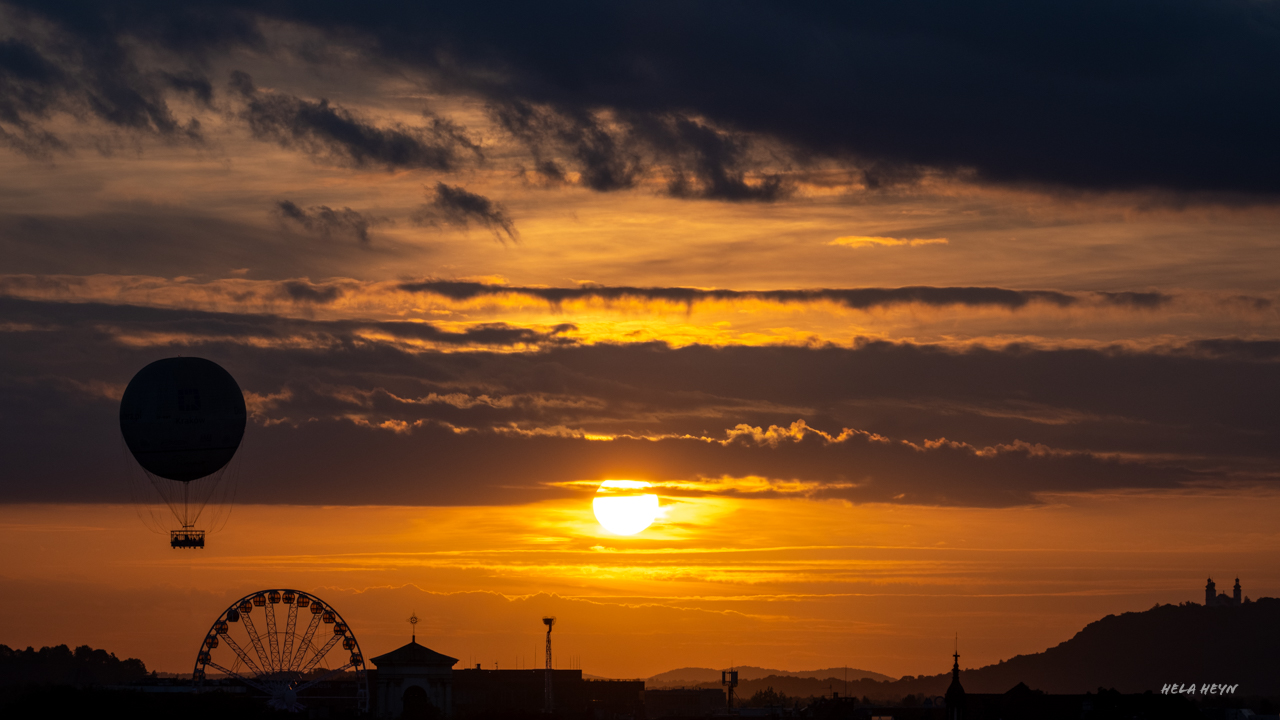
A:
(623, 508)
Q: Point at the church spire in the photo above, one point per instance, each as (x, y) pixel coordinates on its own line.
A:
(955, 693)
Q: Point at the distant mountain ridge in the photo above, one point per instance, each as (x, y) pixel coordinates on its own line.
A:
(697, 676)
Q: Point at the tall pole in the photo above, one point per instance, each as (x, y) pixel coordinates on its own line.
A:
(548, 700)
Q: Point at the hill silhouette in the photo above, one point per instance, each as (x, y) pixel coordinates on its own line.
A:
(1132, 652)
(1140, 651)
(690, 676)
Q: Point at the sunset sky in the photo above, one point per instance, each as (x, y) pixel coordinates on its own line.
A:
(920, 318)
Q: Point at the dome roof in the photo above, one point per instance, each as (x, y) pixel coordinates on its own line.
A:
(414, 654)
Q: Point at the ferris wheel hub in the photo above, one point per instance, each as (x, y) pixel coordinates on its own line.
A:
(283, 697)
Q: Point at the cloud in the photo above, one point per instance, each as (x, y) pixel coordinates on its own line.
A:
(862, 241)
(340, 135)
(178, 326)
(1083, 96)
(1135, 300)
(1253, 302)
(192, 83)
(325, 221)
(30, 85)
(618, 151)
(1096, 97)
(522, 411)
(488, 467)
(456, 206)
(858, 299)
(603, 159)
(170, 241)
(708, 163)
(1260, 350)
(306, 292)
(49, 70)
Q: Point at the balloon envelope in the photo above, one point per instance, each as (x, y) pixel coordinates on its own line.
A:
(182, 418)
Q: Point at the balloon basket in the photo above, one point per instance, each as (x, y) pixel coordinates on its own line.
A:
(186, 539)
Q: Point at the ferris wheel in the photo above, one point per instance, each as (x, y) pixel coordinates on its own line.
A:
(287, 665)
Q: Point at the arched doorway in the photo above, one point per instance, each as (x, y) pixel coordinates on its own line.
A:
(416, 704)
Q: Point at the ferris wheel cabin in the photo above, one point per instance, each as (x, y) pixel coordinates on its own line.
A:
(186, 538)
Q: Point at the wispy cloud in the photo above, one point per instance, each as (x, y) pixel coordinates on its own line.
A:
(862, 241)
(326, 221)
(342, 136)
(456, 206)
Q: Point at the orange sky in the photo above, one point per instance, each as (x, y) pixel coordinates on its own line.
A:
(893, 398)
(792, 584)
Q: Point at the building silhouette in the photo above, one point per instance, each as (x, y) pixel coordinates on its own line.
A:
(1214, 599)
(413, 681)
(955, 692)
(696, 702)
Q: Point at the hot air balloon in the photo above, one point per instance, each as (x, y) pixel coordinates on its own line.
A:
(183, 419)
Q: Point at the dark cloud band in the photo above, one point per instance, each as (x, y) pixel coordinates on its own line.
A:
(899, 422)
(199, 327)
(858, 299)
(1173, 95)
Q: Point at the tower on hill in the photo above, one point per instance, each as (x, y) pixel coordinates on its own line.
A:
(1212, 598)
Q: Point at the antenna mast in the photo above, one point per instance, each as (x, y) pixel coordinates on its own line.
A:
(548, 703)
(729, 678)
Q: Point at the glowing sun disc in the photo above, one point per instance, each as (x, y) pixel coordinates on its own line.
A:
(621, 507)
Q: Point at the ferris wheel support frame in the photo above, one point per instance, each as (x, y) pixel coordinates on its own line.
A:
(282, 674)
(306, 639)
(290, 626)
(244, 657)
(253, 637)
